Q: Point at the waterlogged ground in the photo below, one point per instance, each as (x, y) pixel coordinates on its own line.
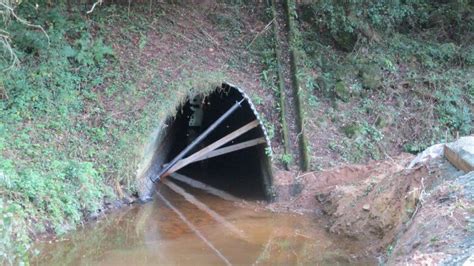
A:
(155, 234)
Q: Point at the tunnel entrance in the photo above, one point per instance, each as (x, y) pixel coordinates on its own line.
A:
(245, 173)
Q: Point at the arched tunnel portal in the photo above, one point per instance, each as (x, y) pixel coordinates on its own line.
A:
(245, 173)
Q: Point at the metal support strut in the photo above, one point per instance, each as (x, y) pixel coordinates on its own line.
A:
(198, 140)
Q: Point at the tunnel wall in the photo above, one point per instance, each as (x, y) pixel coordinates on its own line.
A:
(265, 151)
(160, 146)
(155, 155)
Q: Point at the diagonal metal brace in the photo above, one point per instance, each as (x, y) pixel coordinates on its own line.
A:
(205, 151)
(198, 140)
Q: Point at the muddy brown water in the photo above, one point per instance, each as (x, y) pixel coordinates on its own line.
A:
(154, 234)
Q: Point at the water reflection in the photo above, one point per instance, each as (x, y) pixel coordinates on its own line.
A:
(153, 234)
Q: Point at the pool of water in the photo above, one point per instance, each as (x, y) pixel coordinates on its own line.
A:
(172, 231)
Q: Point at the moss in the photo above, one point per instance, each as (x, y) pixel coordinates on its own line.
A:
(352, 130)
(296, 52)
(371, 76)
(383, 120)
(342, 92)
(281, 86)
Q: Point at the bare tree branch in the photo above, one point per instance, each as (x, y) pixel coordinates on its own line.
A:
(99, 2)
(5, 42)
(12, 13)
(262, 31)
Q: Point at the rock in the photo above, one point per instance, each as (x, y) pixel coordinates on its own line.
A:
(469, 261)
(342, 92)
(117, 204)
(321, 197)
(93, 216)
(461, 153)
(366, 207)
(467, 181)
(295, 189)
(128, 200)
(431, 153)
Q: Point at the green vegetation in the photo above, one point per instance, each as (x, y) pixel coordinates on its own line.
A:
(279, 84)
(264, 46)
(389, 72)
(298, 70)
(42, 110)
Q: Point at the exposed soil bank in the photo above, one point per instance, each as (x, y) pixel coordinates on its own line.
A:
(417, 215)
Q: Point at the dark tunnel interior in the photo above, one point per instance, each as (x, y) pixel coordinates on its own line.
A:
(244, 173)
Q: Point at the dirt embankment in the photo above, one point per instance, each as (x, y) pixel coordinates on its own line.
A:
(418, 216)
(442, 231)
(374, 210)
(299, 193)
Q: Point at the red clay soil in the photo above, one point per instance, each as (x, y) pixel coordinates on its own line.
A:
(374, 210)
(313, 183)
(417, 216)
